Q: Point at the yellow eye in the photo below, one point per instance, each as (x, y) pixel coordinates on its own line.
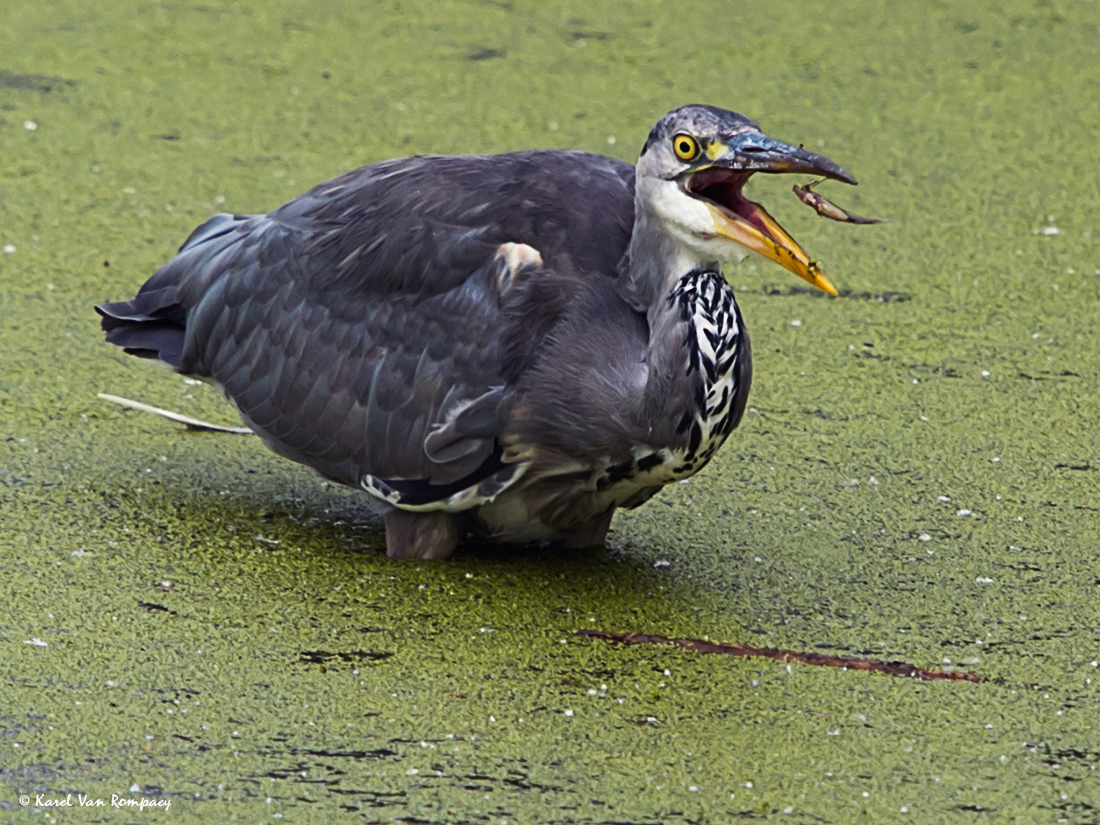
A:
(685, 146)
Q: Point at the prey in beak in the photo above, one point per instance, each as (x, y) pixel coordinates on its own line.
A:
(719, 179)
(826, 208)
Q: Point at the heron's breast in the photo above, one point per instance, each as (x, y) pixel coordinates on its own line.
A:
(705, 402)
(716, 369)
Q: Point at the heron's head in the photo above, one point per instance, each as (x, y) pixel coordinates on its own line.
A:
(690, 176)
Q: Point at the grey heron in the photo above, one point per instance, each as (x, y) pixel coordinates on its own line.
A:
(512, 345)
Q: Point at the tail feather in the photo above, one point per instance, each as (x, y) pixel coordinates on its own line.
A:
(140, 334)
(153, 324)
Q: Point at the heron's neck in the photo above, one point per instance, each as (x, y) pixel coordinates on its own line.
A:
(655, 262)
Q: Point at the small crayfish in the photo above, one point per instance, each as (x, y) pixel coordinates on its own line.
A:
(825, 207)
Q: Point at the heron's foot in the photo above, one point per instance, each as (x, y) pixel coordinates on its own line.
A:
(432, 535)
(593, 535)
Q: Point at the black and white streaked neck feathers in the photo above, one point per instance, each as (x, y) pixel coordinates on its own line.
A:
(718, 348)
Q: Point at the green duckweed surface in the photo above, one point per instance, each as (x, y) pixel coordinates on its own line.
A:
(188, 618)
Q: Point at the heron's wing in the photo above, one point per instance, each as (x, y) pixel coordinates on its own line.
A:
(358, 327)
(420, 225)
(347, 381)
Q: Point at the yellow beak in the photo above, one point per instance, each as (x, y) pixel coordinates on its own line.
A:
(776, 245)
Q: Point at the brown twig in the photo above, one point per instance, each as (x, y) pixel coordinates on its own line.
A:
(780, 655)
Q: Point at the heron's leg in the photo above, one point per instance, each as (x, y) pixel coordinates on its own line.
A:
(432, 535)
(592, 535)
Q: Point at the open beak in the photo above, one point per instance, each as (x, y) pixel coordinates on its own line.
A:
(719, 184)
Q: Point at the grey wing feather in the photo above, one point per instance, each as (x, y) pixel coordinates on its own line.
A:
(359, 327)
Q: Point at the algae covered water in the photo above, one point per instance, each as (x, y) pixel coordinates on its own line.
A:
(192, 619)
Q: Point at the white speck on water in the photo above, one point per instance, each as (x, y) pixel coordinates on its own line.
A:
(796, 322)
(568, 712)
(36, 642)
(30, 125)
(962, 512)
(661, 563)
